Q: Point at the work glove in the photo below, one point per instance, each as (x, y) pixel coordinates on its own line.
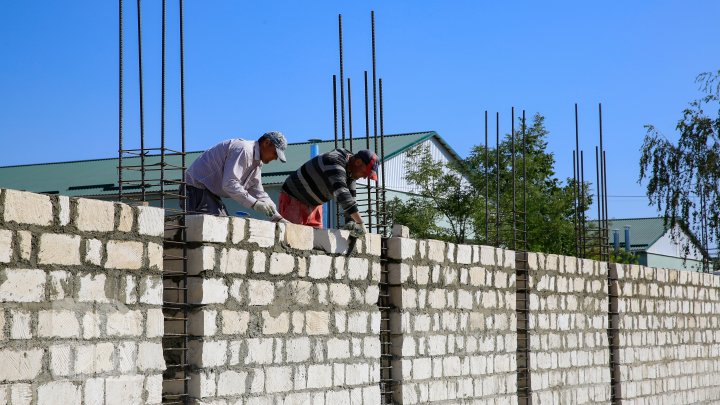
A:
(356, 230)
(265, 207)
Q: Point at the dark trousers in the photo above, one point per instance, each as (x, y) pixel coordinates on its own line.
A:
(205, 202)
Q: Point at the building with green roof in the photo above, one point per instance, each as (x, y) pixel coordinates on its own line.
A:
(98, 178)
(653, 244)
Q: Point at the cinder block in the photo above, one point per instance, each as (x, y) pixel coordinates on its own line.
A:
(6, 249)
(155, 323)
(60, 360)
(151, 221)
(206, 228)
(358, 268)
(150, 356)
(151, 290)
(126, 357)
(298, 236)
(464, 254)
(155, 256)
(126, 218)
(275, 324)
(233, 261)
(298, 349)
(317, 323)
(436, 251)
(203, 322)
(331, 240)
(91, 325)
(207, 291)
(372, 244)
(260, 292)
(95, 215)
(340, 294)
(58, 323)
(357, 374)
(235, 322)
(64, 203)
(92, 288)
(93, 252)
(20, 327)
(300, 291)
(124, 390)
(126, 323)
(279, 379)
(202, 384)
(338, 348)
(259, 259)
(27, 208)
(237, 226)
(205, 353)
(94, 358)
(59, 392)
(124, 255)
(281, 263)
(22, 285)
(153, 389)
(358, 322)
(320, 266)
(25, 244)
(201, 259)
(319, 376)
(21, 394)
(59, 249)
(130, 284)
(231, 383)
(400, 231)
(261, 233)
(260, 351)
(94, 391)
(59, 287)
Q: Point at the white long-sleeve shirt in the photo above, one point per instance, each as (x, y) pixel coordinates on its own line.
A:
(230, 169)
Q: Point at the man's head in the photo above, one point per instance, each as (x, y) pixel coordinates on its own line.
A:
(364, 164)
(272, 146)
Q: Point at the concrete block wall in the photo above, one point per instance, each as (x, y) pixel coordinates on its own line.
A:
(80, 301)
(288, 318)
(568, 313)
(669, 335)
(455, 329)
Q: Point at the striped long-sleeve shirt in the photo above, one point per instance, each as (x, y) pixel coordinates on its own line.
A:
(323, 178)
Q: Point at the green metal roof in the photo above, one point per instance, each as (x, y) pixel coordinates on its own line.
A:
(100, 177)
(644, 232)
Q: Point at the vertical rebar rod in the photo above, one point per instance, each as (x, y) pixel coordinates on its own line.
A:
(605, 214)
(512, 167)
(375, 115)
(598, 199)
(142, 117)
(342, 83)
(601, 197)
(525, 211)
(350, 126)
(367, 146)
(578, 186)
(335, 112)
(382, 162)
(487, 189)
(120, 100)
(575, 203)
(583, 229)
(497, 179)
(162, 108)
(186, 313)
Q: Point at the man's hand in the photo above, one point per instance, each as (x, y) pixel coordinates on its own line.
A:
(265, 207)
(357, 230)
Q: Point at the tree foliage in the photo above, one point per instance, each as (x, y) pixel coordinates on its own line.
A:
(683, 178)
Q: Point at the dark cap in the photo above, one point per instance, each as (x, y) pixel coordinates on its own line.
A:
(371, 162)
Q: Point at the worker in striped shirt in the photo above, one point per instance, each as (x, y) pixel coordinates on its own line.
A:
(322, 178)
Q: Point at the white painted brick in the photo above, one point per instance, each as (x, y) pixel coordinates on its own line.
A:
(124, 390)
(64, 203)
(260, 292)
(261, 233)
(60, 360)
(59, 249)
(25, 244)
(95, 215)
(59, 392)
(59, 286)
(153, 389)
(207, 353)
(358, 268)
(233, 261)
(58, 323)
(94, 391)
(237, 225)
(155, 323)
(279, 379)
(298, 236)
(124, 255)
(298, 349)
(231, 383)
(235, 322)
(93, 252)
(206, 228)
(202, 385)
(319, 376)
(151, 290)
(207, 291)
(92, 288)
(275, 324)
(6, 248)
(201, 259)
(126, 218)
(150, 356)
(124, 323)
(317, 323)
(320, 266)
(155, 256)
(340, 294)
(92, 359)
(20, 327)
(27, 208)
(282, 263)
(331, 240)
(260, 351)
(401, 248)
(151, 221)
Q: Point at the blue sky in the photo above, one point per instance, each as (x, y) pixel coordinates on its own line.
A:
(258, 66)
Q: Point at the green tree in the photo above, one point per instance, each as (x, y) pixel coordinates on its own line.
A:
(683, 178)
